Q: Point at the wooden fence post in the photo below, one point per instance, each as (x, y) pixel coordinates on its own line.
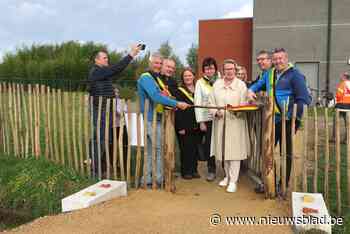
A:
(337, 155)
(120, 140)
(326, 168)
(305, 158)
(269, 142)
(128, 164)
(154, 146)
(115, 139)
(315, 151)
(138, 149)
(145, 148)
(169, 151)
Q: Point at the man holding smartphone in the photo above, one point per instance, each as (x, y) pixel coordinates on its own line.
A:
(100, 80)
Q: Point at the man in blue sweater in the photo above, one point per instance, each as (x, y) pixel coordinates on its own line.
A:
(150, 87)
(288, 87)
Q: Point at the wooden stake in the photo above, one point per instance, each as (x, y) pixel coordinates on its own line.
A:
(305, 158)
(98, 129)
(67, 127)
(128, 164)
(20, 122)
(294, 178)
(145, 148)
(154, 147)
(55, 136)
(81, 136)
(138, 149)
(87, 142)
(120, 141)
(93, 136)
(61, 126)
(169, 151)
(269, 142)
(74, 130)
(30, 123)
(284, 151)
(337, 152)
(44, 101)
(315, 152)
(326, 168)
(37, 124)
(115, 139)
(107, 127)
(348, 153)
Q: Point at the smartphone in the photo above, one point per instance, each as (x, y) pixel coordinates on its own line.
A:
(142, 46)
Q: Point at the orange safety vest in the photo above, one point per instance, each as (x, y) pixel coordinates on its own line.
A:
(343, 92)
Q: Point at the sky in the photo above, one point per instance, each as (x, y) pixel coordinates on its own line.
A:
(116, 23)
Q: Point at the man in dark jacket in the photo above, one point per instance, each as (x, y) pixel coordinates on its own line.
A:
(100, 80)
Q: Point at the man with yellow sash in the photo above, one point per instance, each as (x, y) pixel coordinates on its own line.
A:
(148, 88)
(288, 87)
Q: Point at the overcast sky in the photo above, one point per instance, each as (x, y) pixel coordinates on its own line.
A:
(117, 23)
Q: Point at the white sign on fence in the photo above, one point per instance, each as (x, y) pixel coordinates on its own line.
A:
(133, 130)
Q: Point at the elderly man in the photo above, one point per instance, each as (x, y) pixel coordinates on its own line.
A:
(149, 87)
(167, 75)
(100, 80)
(288, 87)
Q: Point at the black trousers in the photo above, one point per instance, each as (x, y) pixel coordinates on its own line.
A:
(278, 137)
(189, 151)
(206, 141)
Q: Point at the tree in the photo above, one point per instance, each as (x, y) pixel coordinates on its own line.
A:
(192, 57)
(167, 52)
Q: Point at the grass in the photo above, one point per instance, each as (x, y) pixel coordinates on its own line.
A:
(30, 188)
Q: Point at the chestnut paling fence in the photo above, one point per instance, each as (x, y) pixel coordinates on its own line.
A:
(40, 121)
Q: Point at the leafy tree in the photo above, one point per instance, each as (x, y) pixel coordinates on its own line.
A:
(192, 57)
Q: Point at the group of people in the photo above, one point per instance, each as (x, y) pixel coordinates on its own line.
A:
(199, 124)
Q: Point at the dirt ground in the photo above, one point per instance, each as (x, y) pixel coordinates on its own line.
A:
(186, 211)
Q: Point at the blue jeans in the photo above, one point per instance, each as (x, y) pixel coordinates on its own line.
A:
(159, 156)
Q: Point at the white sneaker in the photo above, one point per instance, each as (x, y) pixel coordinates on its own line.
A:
(231, 188)
(224, 182)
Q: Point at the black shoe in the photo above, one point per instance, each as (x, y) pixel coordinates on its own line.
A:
(196, 175)
(187, 177)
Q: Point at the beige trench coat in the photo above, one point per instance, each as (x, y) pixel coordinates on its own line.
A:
(236, 134)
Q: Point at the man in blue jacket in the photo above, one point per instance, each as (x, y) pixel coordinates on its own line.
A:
(288, 87)
(150, 87)
(100, 80)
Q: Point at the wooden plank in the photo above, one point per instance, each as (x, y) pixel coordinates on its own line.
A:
(107, 127)
(305, 158)
(315, 151)
(128, 163)
(337, 154)
(98, 140)
(284, 152)
(154, 147)
(115, 139)
(145, 147)
(92, 130)
(61, 126)
(348, 154)
(138, 149)
(163, 143)
(120, 141)
(326, 168)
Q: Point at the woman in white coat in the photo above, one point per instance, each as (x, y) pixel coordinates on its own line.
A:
(229, 144)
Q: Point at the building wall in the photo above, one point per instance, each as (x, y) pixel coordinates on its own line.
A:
(226, 38)
(301, 27)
